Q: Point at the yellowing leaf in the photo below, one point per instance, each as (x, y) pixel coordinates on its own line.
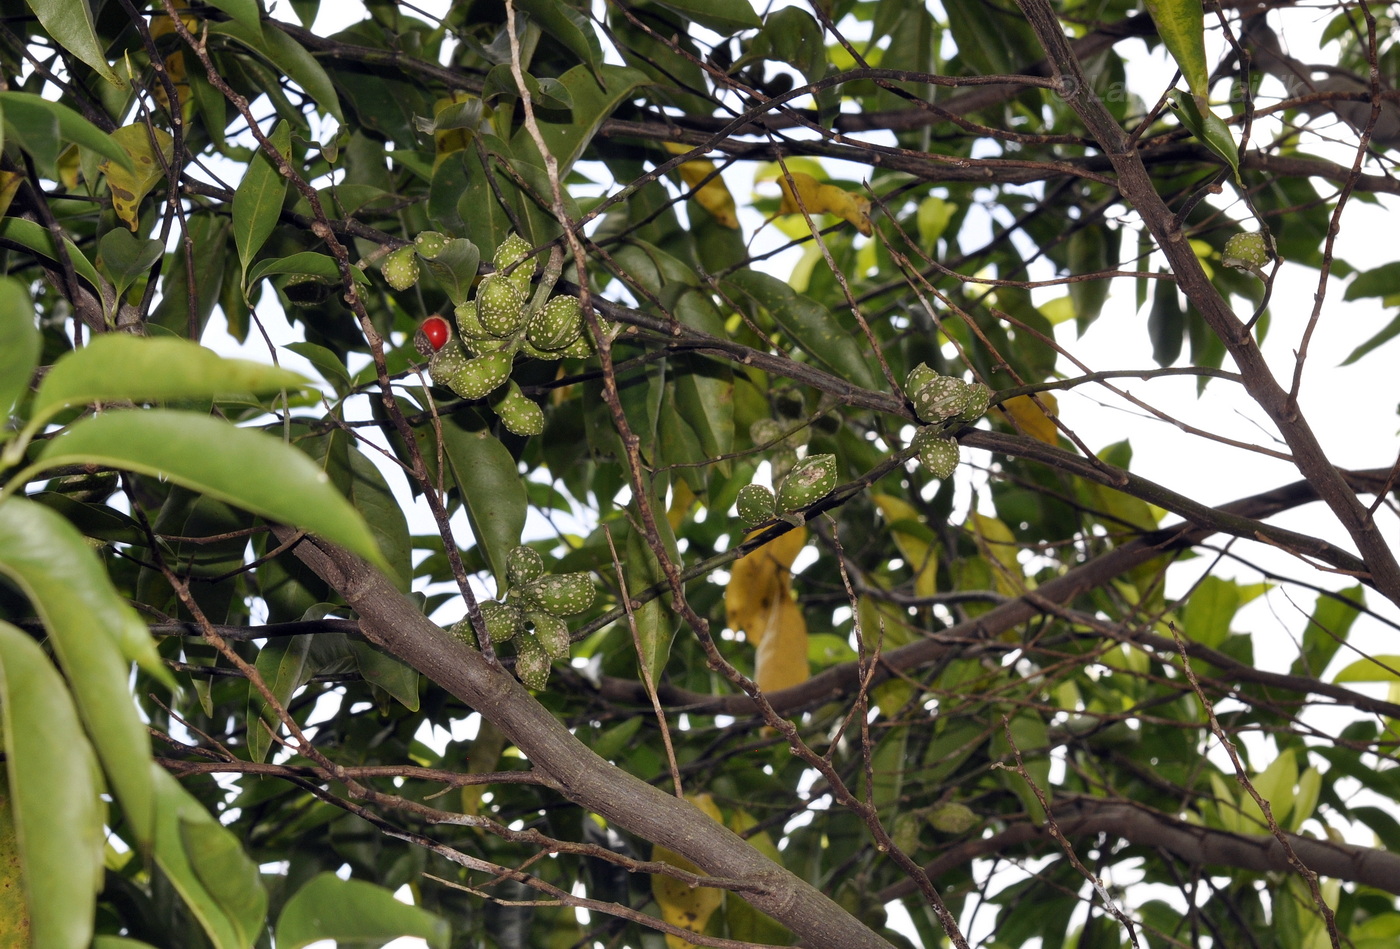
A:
(1031, 419)
(758, 601)
(9, 186)
(681, 500)
(449, 140)
(995, 542)
(709, 189)
(162, 25)
(129, 187)
(805, 192)
(921, 556)
(682, 905)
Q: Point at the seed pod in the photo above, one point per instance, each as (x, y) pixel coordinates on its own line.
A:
(551, 632)
(941, 398)
(500, 306)
(1245, 251)
(481, 376)
(467, 323)
(524, 564)
(518, 412)
(937, 454)
(978, 398)
(920, 376)
(462, 630)
(510, 251)
(531, 663)
(950, 817)
(447, 363)
(756, 504)
(562, 595)
(502, 620)
(580, 348)
(810, 480)
(428, 244)
(400, 269)
(557, 324)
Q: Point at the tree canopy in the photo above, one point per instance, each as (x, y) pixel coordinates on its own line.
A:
(668, 523)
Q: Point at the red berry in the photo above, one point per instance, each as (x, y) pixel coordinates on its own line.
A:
(437, 331)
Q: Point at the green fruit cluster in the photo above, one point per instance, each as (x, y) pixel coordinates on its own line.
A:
(811, 479)
(944, 403)
(531, 614)
(496, 326)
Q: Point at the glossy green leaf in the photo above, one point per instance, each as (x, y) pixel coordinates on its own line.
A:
(19, 343)
(118, 367)
(1328, 628)
(257, 204)
(656, 626)
(95, 636)
(1208, 128)
(807, 323)
(69, 22)
(289, 58)
(722, 16)
(245, 468)
(124, 258)
(1209, 611)
(1378, 668)
(490, 485)
(195, 276)
(308, 263)
(37, 238)
(25, 107)
(282, 665)
(455, 269)
(593, 102)
(384, 671)
(54, 793)
(245, 12)
(119, 942)
(355, 914)
(206, 865)
(567, 26)
(1181, 24)
(329, 364)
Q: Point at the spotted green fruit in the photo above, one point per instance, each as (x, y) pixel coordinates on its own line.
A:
(500, 306)
(920, 376)
(810, 480)
(502, 620)
(531, 662)
(937, 454)
(482, 375)
(524, 564)
(1245, 251)
(551, 632)
(447, 363)
(562, 595)
(580, 348)
(979, 397)
(467, 324)
(755, 503)
(518, 412)
(428, 244)
(557, 324)
(463, 631)
(942, 397)
(510, 251)
(400, 269)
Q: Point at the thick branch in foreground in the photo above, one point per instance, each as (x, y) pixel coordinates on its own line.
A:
(393, 622)
(1196, 845)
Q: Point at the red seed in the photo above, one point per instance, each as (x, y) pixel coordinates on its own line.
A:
(437, 331)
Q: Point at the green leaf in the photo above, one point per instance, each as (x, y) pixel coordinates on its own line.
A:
(94, 634)
(1327, 629)
(245, 12)
(124, 258)
(1181, 24)
(245, 468)
(594, 97)
(355, 914)
(288, 57)
(1377, 282)
(69, 22)
(19, 343)
(656, 628)
(455, 268)
(1208, 128)
(282, 666)
(382, 670)
(118, 367)
(25, 108)
(1392, 329)
(307, 263)
(490, 485)
(257, 204)
(1166, 321)
(329, 364)
(1209, 611)
(722, 16)
(37, 238)
(567, 26)
(1378, 668)
(206, 865)
(809, 324)
(54, 791)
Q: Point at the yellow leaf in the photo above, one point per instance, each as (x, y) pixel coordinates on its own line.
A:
(447, 141)
(1031, 419)
(713, 194)
(806, 192)
(129, 187)
(9, 185)
(681, 500)
(162, 25)
(682, 905)
(995, 542)
(921, 556)
(758, 601)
